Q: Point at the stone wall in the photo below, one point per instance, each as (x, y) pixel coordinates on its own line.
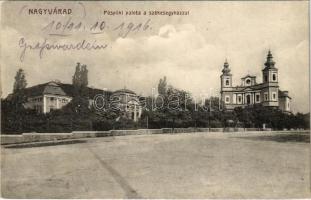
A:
(41, 137)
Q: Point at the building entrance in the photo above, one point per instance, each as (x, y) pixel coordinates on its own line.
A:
(248, 99)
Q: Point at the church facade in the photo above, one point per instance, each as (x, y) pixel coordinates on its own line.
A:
(249, 92)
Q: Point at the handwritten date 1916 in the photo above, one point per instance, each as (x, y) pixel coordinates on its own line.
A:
(69, 27)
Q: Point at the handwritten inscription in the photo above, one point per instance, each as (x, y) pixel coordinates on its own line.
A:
(41, 47)
(68, 27)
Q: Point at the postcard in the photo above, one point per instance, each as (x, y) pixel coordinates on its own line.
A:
(155, 99)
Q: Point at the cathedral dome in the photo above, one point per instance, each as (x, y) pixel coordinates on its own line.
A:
(226, 69)
(269, 63)
(124, 96)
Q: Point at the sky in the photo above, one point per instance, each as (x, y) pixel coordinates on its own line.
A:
(189, 50)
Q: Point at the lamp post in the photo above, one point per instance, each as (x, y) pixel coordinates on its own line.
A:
(209, 118)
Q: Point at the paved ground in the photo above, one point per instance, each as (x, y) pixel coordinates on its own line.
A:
(199, 165)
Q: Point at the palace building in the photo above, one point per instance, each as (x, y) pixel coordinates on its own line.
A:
(249, 92)
(54, 95)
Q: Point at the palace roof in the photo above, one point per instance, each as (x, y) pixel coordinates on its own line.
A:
(126, 91)
(61, 89)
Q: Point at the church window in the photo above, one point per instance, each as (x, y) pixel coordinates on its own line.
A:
(227, 99)
(248, 99)
(288, 105)
(257, 98)
(227, 82)
(273, 96)
(266, 78)
(274, 77)
(266, 96)
(248, 81)
(239, 99)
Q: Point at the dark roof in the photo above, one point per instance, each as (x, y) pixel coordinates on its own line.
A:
(59, 89)
(283, 94)
(253, 87)
(257, 86)
(36, 90)
(94, 91)
(125, 91)
(269, 63)
(53, 88)
(248, 76)
(69, 90)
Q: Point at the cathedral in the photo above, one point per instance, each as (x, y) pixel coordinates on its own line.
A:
(250, 92)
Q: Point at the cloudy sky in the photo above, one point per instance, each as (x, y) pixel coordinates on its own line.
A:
(190, 50)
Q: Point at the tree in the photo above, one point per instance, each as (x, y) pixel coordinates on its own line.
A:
(162, 86)
(20, 81)
(80, 82)
(80, 77)
(177, 106)
(76, 76)
(84, 76)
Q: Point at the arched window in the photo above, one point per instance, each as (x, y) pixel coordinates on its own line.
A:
(274, 77)
(227, 82)
(227, 99)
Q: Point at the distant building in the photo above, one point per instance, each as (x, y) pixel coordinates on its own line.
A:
(128, 102)
(250, 92)
(53, 95)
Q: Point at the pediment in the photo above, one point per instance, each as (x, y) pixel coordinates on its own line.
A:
(247, 89)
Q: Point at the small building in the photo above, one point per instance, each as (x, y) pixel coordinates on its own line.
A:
(127, 102)
(249, 92)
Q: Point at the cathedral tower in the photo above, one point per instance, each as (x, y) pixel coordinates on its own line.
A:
(270, 73)
(270, 82)
(226, 77)
(226, 86)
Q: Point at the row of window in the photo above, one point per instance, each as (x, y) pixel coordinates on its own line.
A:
(38, 99)
(55, 98)
(248, 98)
(248, 81)
(266, 96)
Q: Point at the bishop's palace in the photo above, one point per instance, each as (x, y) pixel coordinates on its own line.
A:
(250, 92)
(54, 95)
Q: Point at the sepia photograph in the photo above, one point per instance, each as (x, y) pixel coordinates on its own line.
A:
(155, 100)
